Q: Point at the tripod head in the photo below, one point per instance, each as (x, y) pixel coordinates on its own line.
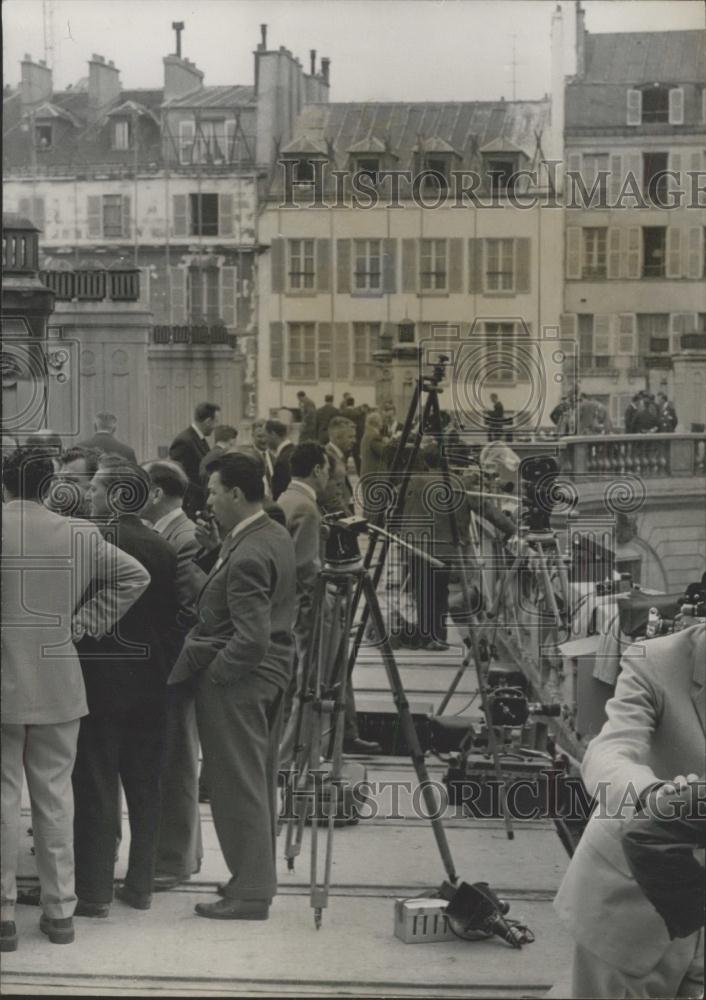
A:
(431, 383)
(341, 550)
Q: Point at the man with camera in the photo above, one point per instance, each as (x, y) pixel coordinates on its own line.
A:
(654, 731)
(239, 658)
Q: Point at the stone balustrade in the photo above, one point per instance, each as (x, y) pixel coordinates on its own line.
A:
(647, 455)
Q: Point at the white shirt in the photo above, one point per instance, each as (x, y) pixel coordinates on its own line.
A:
(166, 520)
(200, 433)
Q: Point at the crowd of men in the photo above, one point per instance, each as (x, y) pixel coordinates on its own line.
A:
(580, 413)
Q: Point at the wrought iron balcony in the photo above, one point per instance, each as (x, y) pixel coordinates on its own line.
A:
(194, 334)
(93, 285)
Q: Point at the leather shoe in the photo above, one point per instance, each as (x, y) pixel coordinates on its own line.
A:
(8, 936)
(137, 900)
(163, 883)
(235, 909)
(361, 746)
(59, 930)
(86, 909)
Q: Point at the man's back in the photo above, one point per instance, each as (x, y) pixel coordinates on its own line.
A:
(303, 519)
(338, 494)
(107, 443)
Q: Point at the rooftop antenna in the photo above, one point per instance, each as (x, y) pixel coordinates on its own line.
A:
(512, 66)
(48, 31)
(178, 28)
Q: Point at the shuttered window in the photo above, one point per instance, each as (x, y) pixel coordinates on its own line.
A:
(505, 348)
(433, 274)
(499, 266)
(595, 240)
(366, 340)
(302, 272)
(203, 298)
(367, 266)
(301, 352)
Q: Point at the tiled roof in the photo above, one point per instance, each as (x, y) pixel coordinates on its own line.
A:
(646, 57)
(402, 127)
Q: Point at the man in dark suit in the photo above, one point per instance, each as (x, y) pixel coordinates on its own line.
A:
(495, 418)
(104, 439)
(122, 739)
(307, 408)
(179, 849)
(630, 412)
(324, 416)
(225, 439)
(280, 449)
(239, 655)
(189, 447)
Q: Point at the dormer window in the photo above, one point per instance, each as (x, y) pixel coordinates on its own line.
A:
(655, 104)
(500, 172)
(369, 166)
(43, 135)
(122, 134)
(437, 172)
(303, 171)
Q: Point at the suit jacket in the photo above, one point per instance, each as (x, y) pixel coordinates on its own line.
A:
(338, 494)
(324, 416)
(281, 473)
(181, 535)
(49, 563)
(265, 460)
(245, 611)
(105, 442)
(654, 731)
(307, 429)
(303, 518)
(125, 672)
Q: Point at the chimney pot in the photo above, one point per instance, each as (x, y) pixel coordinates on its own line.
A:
(312, 55)
(325, 67)
(28, 57)
(263, 35)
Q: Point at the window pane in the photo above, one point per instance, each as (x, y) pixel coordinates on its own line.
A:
(112, 215)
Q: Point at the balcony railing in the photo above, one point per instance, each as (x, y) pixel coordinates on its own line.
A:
(93, 286)
(648, 455)
(194, 334)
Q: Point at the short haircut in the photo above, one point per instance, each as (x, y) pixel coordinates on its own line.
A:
(305, 457)
(203, 411)
(276, 427)
(128, 485)
(224, 432)
(636, 397)
(661, 395)
(27, 472)
(328, 398)
(241, 471)
(350, 401)
(337, 422)
(47, 440)
(105, 421)
(169, 476)
(91, 457)
(301, 394)
(493, 395)
(275, 512)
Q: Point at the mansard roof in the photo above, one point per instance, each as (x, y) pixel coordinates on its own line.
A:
(635, 57)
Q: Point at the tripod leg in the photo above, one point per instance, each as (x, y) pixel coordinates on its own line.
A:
(408, 730)
(343, 610)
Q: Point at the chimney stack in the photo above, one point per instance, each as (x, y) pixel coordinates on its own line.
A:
(263, 38)
(312, 56)
(580, 40)
(558, 83)
(35, 82)
(103, 82)
(181, 77)
(325, 67)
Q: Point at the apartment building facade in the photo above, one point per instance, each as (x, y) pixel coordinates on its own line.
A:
(634, 291)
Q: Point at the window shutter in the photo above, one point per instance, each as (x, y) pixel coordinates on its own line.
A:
(616, 177)
(695, 252)
(343, 266)
(674, 243)
(225, 215)
(602, 339)
(177, 295)
(95, 227)
(389, 266)
(324, 350)
(277, 264)
(676, 106)
(341, 351)
(675, 166)
(230, 151)
(456, 265)
(568, 323)
(634, 107)
(38, 212)
(625, 334)
(179, 215)
(323, 265)
(186, 142)
(679, 324)
(574, 235)
(522, 264)
(475, 267)
(614, 251)
(634, 252)
(276, 349)
(127, 220)
(228, 283)
(409, 265)
(633, 170)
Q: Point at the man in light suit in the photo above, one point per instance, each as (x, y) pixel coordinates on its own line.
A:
(654, 732)
(310, 471)
(50, 562)
(338, 495)
(281, 449)
(189, 447)
(179, 849)
(239, 655)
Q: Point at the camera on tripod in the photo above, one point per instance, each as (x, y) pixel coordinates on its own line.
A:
(341, 538)
(538, 480)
